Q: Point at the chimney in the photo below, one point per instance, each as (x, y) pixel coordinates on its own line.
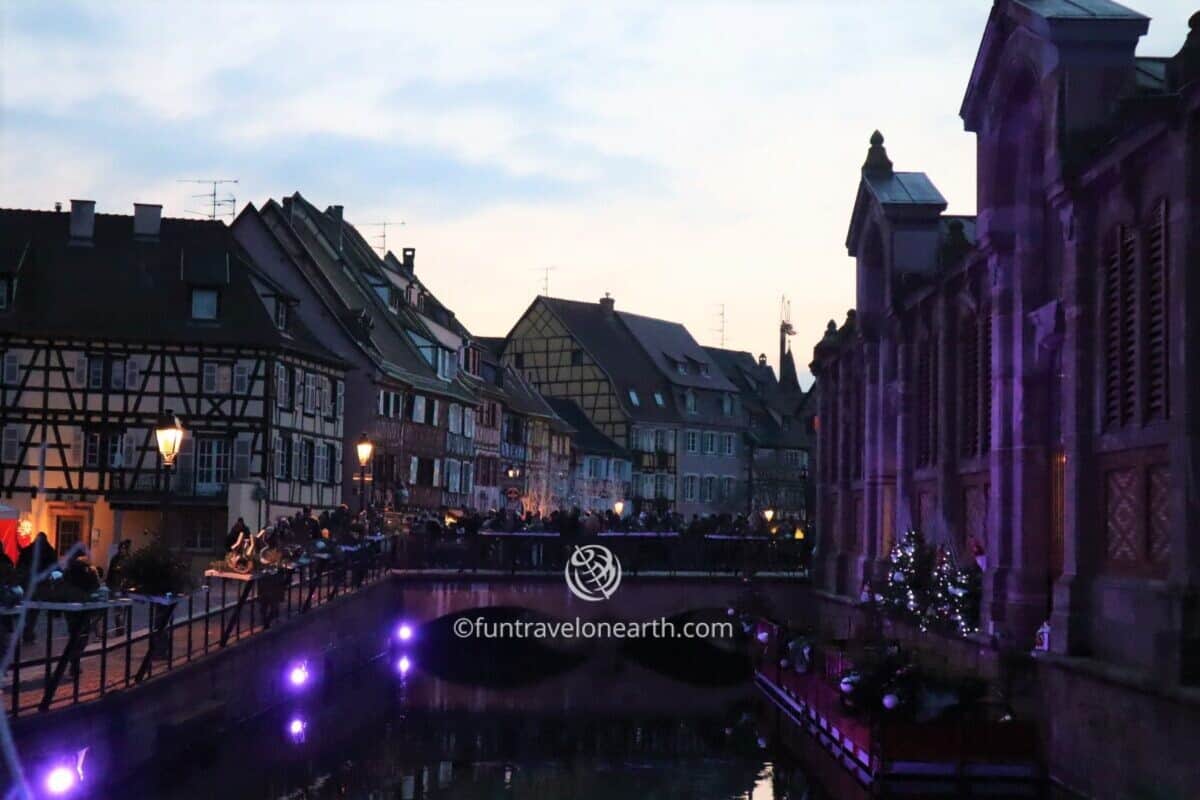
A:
(409, 256)
(607, 303)
(83, 221)
(147, 220)
(762, 359)
(336, 213)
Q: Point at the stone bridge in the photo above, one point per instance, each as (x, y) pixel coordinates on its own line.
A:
(430, 595)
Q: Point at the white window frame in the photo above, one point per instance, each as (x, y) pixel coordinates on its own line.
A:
(728, 447)
(469, 423)
(691, 484)
(418, 414)
(693, 441)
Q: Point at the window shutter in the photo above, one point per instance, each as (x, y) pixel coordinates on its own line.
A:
(12, 444)
(133, 373)
(241, 458)
(129, 453)
(298, 392)
(1156, 350)
(81, 366)
(12, 368)
(437, 472)
(117, 379)
(412, 471)
(340, 399)
(209, 381)
(437, 408)
(241, 378)
(296, 457)
(1129, 325)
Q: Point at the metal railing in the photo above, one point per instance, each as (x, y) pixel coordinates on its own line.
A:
(83, 651)
(639, 552)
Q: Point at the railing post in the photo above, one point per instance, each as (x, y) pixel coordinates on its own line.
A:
(128, 642)
(19, 632)
(104, 651)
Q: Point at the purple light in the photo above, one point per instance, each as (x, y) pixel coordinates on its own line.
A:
(403, 665)
(61, 780)
(405, 632)
(298, 675)
(297, 728)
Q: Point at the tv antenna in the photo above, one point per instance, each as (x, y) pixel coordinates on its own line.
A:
(720, 329)
(379, 240)
(545, 278)
(218, 204)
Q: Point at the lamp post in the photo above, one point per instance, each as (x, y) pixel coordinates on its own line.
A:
(168, 435)
(364, 448)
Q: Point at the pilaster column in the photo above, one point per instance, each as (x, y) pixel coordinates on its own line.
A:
(1081, 551)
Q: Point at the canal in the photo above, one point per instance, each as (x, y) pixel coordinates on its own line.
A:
(446, 719)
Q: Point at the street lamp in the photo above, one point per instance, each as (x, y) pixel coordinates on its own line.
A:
(769, 514)
(364, 449)
(619, 507)
(168, 434)
(513, 471)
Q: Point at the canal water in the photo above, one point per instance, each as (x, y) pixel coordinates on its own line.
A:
(440, 719)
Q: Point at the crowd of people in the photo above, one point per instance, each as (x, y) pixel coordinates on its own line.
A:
(578, 522)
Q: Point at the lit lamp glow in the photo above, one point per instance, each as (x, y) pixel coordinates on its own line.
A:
(364, 448)
(168, 433)
(298, 675)
(403, 665)
(405, 632)
(769, 514)
(61, 780)
(799, 534)
(619, 507)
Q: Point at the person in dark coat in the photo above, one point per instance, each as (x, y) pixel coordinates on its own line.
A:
(115, 579)
(239, 528)
(41, 551)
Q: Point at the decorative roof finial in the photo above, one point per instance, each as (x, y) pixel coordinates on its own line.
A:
(877, 159)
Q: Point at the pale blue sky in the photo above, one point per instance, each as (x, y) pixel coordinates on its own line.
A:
(679, 155)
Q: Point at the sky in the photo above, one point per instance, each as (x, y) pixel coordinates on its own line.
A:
(694, 159)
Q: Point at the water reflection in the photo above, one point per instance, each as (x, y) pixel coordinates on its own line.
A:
(610, 728)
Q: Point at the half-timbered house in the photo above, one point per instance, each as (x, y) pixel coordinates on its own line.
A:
(110, 321)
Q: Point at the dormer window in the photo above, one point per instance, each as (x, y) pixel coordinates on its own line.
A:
(204, 303)
(681, 367)
(704, 369)
(281, 314)
(727, 405)
(633, 398)
(658, 399)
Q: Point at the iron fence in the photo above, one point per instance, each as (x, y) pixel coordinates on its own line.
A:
(83, 651)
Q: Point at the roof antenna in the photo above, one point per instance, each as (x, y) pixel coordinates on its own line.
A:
(379, 240)
(720, 329)
(218, 205)
(545, 278)
(785, 327)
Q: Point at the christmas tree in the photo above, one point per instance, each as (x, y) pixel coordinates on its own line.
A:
(953, 598)
(905, 583)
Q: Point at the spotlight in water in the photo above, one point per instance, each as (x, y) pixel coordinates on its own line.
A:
(403, 665)
(296, 729)
(298, 676)
(405, 632)
(61, 780)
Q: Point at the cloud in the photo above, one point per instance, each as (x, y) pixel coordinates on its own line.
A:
(681, 155)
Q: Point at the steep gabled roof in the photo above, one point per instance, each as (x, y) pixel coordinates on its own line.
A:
(587, 437)
(346, 264)
(669, 344)
(121, 288)
(616, 351)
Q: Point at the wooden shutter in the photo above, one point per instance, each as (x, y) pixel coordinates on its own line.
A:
(1156, 331)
